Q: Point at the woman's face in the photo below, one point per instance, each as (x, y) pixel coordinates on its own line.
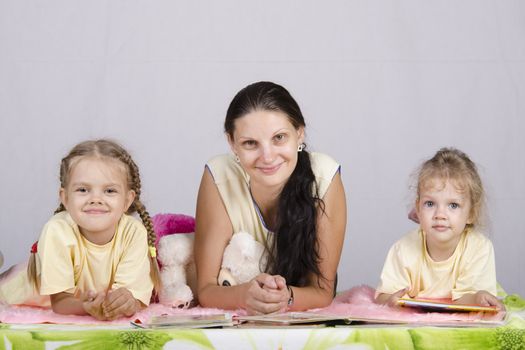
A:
(266, 144)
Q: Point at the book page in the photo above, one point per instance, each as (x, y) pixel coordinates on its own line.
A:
(186, 321)
(444, 306)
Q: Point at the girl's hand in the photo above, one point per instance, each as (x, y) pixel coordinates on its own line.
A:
(92, 304)
(118, 303)
(390, 299)
(484, 298)
(266, 294)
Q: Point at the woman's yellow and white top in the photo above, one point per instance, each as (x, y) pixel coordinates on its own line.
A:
(233, 184)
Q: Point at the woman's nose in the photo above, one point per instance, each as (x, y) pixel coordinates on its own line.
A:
(268, 154)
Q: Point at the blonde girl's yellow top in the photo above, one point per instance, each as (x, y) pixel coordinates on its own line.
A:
(233, 184)
(471, 268)
(67, 262)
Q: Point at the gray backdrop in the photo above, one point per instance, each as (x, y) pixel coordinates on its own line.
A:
(382, 84)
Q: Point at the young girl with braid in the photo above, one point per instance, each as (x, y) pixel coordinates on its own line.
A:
(292, 201)
(92, 257)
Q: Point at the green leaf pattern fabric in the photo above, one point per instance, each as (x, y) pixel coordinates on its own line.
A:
(510, 336)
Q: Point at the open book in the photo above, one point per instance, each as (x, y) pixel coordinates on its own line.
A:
(489, 316)
(313, 318)
(186, 321)
(292, 318)
(433, 305)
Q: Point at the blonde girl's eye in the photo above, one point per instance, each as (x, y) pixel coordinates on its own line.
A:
(81, 189)
(428, 204)
(453, 205)
(111, 191)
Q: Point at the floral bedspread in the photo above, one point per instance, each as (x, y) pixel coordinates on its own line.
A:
(511, 335)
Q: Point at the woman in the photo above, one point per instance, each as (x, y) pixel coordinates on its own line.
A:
(288, 199)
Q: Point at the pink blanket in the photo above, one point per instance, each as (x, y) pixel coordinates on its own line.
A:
(358, 303)
(354, 303)
(28, 314)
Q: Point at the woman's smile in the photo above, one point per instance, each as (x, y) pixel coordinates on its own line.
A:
(270, 170)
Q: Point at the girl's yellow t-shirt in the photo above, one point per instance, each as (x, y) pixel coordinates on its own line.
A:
(471, 268)
(67, 262)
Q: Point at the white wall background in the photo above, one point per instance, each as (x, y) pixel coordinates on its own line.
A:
(382, 84)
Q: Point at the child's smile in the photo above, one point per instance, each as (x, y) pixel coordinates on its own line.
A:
(440, 228)
(96, 196)
(95, 211)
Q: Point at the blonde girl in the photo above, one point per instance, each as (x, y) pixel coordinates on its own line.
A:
(92, 257)
(447, 256)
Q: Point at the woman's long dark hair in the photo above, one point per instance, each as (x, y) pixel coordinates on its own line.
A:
(293, 251)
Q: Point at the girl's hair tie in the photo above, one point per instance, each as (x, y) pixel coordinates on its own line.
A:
(152, 251)
(34, 248)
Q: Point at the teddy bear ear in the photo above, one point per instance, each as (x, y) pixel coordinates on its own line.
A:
(225, 278)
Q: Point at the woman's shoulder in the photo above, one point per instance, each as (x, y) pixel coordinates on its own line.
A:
(224, 168)
(322, 160)
(322, 156)
(221, 159)
(323, 165)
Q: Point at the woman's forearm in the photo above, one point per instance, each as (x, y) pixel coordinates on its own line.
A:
(229, 298)
(310, 297)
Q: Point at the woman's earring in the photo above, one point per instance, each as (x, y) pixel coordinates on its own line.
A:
(301, 147)
(237, 160)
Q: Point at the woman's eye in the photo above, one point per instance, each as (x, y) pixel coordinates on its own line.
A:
(249, 144)
(280, 137)
(453, 205)
(428, 204)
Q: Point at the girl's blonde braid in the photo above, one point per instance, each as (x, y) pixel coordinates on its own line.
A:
(138, 207)
(64, 170)
(60, 208)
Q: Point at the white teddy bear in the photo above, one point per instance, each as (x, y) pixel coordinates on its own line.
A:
(175, 254)
(241, 262)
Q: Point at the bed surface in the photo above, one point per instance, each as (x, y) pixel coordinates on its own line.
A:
(510, 336)
(86, 333)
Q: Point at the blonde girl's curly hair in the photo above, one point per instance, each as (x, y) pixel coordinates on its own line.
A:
(454, 165)
(107, 149)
